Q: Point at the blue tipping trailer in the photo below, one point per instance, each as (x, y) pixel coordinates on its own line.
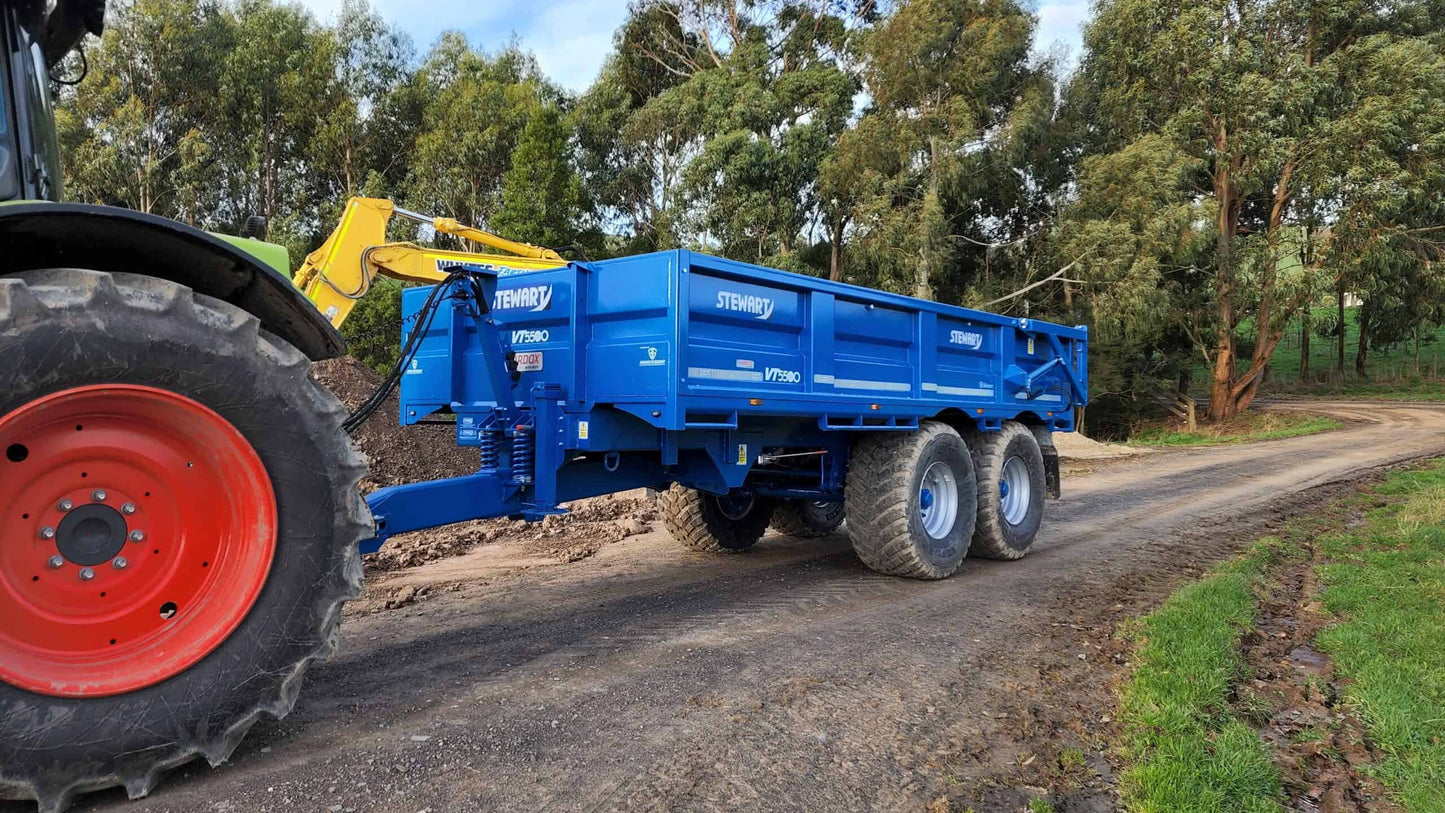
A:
(757, 394)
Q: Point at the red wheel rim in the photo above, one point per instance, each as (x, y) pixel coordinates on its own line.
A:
(197, 537)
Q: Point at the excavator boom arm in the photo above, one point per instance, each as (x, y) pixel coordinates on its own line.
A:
(340, 273)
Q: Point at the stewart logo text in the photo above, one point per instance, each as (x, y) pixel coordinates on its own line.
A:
(782, 376)
(967, 338)
(532, 297)
(760, 307)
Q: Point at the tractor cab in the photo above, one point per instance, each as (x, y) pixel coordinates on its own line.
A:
(34, 37)
(9, 144)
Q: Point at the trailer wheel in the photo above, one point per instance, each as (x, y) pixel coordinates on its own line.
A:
(910, 501)
(1011, 487)
(805, 519)
(178, 524)
(713, 524)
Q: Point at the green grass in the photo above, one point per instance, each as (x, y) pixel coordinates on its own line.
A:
(1187, 750)
(1247, 428)
(1386, 581)
(1324, 350)
(1406, 390)
(1384, 367)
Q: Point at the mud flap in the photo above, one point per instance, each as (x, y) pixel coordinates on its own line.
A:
(1051, 472)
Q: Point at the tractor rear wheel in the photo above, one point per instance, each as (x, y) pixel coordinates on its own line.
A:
(178, 524)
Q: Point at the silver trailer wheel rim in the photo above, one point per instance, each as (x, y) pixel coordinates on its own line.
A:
(1015, 490)
(938, 500)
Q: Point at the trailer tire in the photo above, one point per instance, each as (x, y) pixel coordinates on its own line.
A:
(1011, 485)
(805, 519)
(705, 522)
(136, 351)
(910, 501)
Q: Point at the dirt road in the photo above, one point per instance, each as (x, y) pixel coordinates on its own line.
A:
(650, 678)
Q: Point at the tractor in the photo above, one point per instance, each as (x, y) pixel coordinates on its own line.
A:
(181, 510)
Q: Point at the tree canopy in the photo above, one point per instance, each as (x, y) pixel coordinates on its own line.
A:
(1208, 172)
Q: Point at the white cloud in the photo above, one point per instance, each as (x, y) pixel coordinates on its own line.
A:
(571, 38)
(1061, 21)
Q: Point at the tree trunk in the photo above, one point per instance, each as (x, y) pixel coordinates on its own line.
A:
(1221, 385)
(1363, 346)
(1304, 345)
(930, 251)
(1417, 351)
(1340, 302)
(835, 261)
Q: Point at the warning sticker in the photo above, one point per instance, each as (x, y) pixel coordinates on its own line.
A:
(582, 429)
(742, 454)
(529, 362)
(1031, 345)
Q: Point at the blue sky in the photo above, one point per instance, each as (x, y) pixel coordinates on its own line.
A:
(571, 37)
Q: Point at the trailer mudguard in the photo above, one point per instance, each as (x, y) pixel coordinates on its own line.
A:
(35, 234)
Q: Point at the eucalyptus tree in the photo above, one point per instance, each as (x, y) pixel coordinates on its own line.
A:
(1297, 114)
(957, 152)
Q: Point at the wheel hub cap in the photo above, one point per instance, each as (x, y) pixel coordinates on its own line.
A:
(1014, 491)
(137, 528)
(938, 500)
(91, 535)
(735, 505)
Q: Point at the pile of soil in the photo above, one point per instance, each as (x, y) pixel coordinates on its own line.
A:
(1074, 446)
(409, 454)
(398, 454)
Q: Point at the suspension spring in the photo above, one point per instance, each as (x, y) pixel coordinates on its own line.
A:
(523, 455)
(491, 449)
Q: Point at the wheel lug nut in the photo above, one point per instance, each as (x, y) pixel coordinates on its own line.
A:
(86, 574)
(119, 563)
(65, 505)
(97, 495)
(128, 509)
(47, 533)
(137, 536)
(56, 561)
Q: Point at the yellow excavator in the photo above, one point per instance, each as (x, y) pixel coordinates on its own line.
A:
(341, 272)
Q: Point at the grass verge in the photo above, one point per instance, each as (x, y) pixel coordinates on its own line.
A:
(1186, 749)
(1382, 584)
(1386, 581)
(1250, 427)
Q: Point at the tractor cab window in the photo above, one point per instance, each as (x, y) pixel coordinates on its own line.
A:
(40, 116)
(9, 184)
(30, 167)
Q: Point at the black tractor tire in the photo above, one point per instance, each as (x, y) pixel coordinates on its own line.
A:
(995, 536)
(885, 501)
(700, 520)
(67, 328)
(805, 519)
